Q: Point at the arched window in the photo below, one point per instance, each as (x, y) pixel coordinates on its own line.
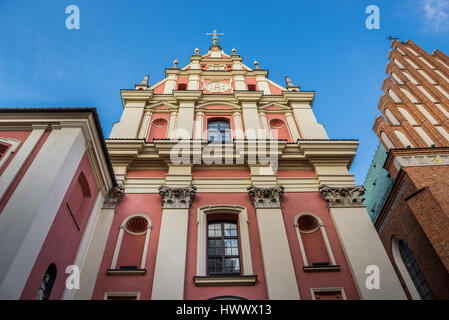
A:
(78, 201)
(218, 130)
(47, 283)
(132, 246)
(314, 244)
(410, 271)
(223, 254)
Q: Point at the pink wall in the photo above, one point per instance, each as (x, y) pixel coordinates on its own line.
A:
(61, 244)
(150, 205)
(295, 203)
(159, 130)
(281, 133)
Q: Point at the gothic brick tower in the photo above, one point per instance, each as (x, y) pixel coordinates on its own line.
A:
(413, 220)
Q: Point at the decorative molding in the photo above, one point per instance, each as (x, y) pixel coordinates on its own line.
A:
(114, 196)
(421, 160)
(179, 198)
(266, 197)
(225, 281)
(342, 196)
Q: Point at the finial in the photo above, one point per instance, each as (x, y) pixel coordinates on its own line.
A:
(175, 62)
(197, 50)
(290, 86)
(256, 64)
(145, 80)
(234, 51)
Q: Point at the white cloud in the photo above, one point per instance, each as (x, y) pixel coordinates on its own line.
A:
(436, 14)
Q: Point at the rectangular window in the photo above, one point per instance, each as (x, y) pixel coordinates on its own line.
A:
(251, 87)
(223, 257)
(182, 86)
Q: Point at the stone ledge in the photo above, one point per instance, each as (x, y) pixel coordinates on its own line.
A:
(215, 281)
(322, 268)
(127, 272)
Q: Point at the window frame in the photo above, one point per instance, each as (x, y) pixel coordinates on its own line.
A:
(227, 131)
(246, 265)
(223, 255)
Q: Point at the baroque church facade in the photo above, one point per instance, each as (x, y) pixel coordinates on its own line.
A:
(216, 183)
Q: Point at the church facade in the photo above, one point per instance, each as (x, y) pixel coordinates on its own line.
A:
(216, 183)
(407, 183)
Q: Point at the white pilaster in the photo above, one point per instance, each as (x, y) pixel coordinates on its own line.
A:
(277, 260)
(29, 214)
(17, 162)
(169, 273)
(199, 125)
(292, 126)
(251, 120)
(143, 133)
(238, 126)
(185, 120)
(170, 84)
(266, 132)
(172, 125)
(262, 84)
(194, 81)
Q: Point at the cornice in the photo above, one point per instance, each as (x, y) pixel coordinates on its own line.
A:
(187, 95)
(298, 96)
(248, 96)
(136, 95)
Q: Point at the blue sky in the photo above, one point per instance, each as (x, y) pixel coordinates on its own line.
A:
(322, 45)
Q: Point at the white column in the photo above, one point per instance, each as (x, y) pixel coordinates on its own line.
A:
(251, 120)
(29, 214)
(194, 82)
(170, 84)
(185, 120)
(262, 84)
(143, 133)
(169, 273)
(172, 125)
(277, 260)
(361, 244)
(17, 162)
(292, 126)
(266, 132)
(240, 83)
(90, 268)
(199, 125)
(238, 127)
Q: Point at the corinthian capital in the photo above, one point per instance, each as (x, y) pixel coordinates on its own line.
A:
(342, 196)
(114, 196)
(177, 197)
(266, 197)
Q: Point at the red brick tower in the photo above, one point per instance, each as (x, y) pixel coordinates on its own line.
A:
(414, 222)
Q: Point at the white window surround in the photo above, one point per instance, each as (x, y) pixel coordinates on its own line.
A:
(121, 294)
(323, 233)
(120, 239)
(245, 255)
(402, 269)
(313, 291)
(14, 144)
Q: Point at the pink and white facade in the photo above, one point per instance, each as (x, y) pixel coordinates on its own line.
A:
(222, 222)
